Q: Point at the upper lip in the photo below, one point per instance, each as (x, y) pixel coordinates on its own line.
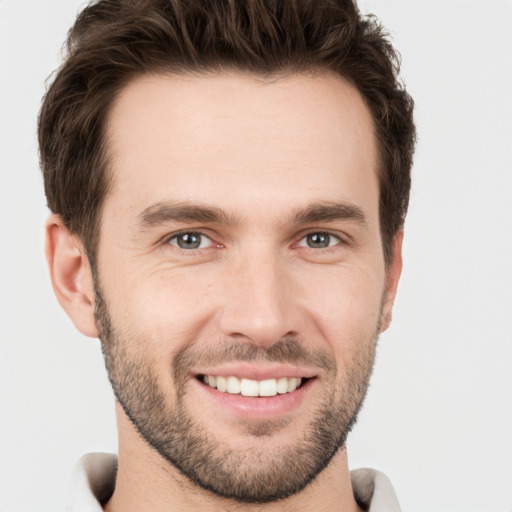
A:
(256, 372)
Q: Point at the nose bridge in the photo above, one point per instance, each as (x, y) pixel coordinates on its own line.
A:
(258, 303)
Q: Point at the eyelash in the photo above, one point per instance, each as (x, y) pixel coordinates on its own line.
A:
(175, 236)
(328, 234)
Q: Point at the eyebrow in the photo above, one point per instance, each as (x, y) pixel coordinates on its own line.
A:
(329, 212)
(169, 211)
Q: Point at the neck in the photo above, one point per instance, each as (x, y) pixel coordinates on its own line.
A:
(145, 481)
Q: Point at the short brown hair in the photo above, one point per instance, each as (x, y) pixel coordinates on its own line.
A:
(115, 41)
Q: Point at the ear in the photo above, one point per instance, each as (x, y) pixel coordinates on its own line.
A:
(392, 278)
(71, 275)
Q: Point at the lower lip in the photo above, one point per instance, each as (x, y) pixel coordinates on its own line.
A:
(249, 407)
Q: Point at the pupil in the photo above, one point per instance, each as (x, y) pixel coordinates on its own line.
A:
(318, 240)
(189, 241)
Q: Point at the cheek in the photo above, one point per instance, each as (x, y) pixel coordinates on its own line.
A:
(346, 309)
(166, 310)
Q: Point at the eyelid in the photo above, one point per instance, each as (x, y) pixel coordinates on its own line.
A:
(340, 237)
(166, 240)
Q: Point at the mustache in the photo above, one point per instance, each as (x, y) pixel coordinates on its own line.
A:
(289, 351)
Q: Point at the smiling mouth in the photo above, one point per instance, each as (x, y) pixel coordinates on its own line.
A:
(253, 388)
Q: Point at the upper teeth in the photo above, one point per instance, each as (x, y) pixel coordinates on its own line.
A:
(249, 387)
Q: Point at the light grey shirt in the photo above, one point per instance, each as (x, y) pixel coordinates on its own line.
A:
(94, 478)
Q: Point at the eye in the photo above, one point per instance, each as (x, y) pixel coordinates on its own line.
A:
(319, 240)
(190, 240)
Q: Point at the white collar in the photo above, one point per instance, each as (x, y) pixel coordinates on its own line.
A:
(92, 482)
(373, 490)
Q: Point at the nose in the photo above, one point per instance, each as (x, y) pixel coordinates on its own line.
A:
(258, 301)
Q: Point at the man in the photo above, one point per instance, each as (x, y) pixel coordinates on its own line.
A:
(228, 182)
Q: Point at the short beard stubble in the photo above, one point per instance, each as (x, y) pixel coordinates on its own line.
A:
(254, 475)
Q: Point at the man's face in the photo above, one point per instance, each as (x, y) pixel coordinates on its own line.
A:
(240, 252)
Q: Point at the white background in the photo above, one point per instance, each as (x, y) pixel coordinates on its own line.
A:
(438, 416)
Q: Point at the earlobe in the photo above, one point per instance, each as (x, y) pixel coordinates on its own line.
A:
(392, 278)
(71, 275)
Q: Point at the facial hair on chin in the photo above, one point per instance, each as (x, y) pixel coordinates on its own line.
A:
(253, 475)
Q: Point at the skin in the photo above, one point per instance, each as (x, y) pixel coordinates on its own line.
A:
(263, 152)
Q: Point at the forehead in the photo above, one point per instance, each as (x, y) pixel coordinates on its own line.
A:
(202, 137)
